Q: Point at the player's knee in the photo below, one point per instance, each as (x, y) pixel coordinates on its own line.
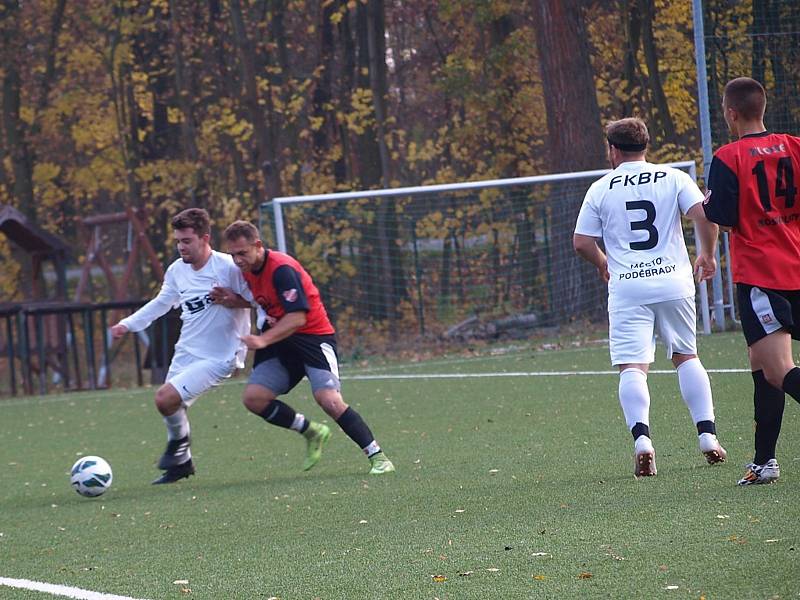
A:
(167, 400)
(679, 359)
(331, 402)
(774, 374)
(256, 400)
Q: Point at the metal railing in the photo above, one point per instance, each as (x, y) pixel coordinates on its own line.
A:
(66, 346)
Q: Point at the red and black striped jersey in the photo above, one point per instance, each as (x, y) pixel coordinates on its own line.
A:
(283, 286)
(752, 188)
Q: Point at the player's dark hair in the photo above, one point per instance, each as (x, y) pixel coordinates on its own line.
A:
(747, 97)
(628, 135)
(241, 229)
(193, 218)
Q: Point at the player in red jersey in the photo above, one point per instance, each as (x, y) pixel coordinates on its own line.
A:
(297, 341)
(752, 191)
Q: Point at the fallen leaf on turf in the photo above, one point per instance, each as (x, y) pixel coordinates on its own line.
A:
(539, 577)
(663, 568)
(186, 591)
(585, 575)
(466, 573)
(439, 578)
(180, 582)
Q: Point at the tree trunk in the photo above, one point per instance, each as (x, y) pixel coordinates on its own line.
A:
(781, 49)
(760, 10)
(15, 129)
(242, 185)
(631, 71)
(663, 118)
(575, 143)
(265, 155)
(199, 192)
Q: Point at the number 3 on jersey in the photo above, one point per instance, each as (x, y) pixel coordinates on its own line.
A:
(644, 225)
(784, 183)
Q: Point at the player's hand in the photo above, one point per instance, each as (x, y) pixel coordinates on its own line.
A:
(603, 272)
(254, 342)
(704, 267)
(118, 330)
(221, 295)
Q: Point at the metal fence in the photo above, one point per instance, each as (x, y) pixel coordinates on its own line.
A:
(66, 346)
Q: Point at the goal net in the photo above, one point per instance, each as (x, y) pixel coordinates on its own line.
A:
(435, 264)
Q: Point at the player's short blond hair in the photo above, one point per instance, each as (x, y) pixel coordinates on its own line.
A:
(628, 135)
(241, 229)
(747, 97)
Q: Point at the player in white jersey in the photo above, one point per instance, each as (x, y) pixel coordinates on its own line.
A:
(636, 210)
(209, 347)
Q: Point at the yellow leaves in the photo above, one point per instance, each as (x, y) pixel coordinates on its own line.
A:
(316, 123)
(44, 172)
(27, 114)
(162, 177)
(361, 117)
(174, 115)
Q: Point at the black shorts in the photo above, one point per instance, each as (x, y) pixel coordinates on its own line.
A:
(764, 311)
(280, 367)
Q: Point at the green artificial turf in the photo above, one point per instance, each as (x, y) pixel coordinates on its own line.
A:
(506, 487)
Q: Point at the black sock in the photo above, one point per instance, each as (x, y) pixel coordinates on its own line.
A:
(355, 427)
(279, 414)
(768, 402)
(791, 383)
(706, 427)
(640, 429)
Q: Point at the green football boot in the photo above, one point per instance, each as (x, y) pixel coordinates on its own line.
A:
(380, 464)
(316, 435)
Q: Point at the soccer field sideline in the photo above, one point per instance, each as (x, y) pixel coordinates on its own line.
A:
(59, 590)
(375, 377)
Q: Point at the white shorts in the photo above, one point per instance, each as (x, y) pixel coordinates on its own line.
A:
(631, 331)
(191, 376)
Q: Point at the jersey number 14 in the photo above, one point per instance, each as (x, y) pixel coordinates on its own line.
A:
(784, 183)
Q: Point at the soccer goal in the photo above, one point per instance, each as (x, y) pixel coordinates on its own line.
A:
(456, 261)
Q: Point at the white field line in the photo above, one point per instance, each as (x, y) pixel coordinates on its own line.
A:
(517, 374)
(34, 400)
(59, 590)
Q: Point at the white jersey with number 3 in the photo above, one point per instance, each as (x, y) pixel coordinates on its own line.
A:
(636, 209)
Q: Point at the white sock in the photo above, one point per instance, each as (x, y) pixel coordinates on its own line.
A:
(643, 444)
(634, 397)
(696, 390)
(299, 421)
(372, 448)
(177, 424)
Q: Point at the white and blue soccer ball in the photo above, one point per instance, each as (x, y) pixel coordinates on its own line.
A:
(91, 476)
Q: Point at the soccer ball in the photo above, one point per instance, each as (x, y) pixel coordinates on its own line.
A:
(91, 476)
